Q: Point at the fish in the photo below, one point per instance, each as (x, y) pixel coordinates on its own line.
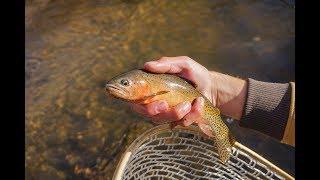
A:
(142, 87)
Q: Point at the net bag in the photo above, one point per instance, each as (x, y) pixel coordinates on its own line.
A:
(186, 153)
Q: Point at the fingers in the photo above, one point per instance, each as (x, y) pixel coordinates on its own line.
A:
(183, 114)
(179, 111)
(206, 129)
(174, 114)
(195, 113)
(160, 112)
(184, 67)
(152, 108)
(169, 65)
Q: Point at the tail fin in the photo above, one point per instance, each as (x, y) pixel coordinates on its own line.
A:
(224, 149)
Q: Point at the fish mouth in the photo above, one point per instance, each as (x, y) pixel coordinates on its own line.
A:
(111, 87)
(115, 91)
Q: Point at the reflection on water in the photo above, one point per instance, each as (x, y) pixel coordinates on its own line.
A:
(73, 47)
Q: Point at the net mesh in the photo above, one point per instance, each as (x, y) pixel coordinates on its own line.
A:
(185, 154)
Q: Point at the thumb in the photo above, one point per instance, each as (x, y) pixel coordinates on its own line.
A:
(167, 65)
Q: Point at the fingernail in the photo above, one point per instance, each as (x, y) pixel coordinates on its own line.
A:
(161, 107)
(186, 106)
(201, 99)
(151, 63)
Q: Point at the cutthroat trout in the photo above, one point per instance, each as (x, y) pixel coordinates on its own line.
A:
(139, 86)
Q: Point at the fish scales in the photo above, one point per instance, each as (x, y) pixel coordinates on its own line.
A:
(139, 86)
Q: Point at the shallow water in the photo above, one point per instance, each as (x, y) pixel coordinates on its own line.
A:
(72, 47)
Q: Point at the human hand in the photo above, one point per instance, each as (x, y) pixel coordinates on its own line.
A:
(184, 113)
(225, 92)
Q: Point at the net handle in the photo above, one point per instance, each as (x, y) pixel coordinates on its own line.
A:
(263, 160)
(165, 127)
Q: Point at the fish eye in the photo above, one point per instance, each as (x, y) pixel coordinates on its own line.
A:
(124, 82)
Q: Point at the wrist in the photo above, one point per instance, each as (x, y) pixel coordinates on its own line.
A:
(228, 94)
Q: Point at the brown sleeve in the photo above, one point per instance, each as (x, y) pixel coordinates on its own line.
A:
(267, 108)
(289, 133)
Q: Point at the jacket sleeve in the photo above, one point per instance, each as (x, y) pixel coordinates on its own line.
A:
(269, 109)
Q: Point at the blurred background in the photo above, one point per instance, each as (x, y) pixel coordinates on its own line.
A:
(73, 131)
